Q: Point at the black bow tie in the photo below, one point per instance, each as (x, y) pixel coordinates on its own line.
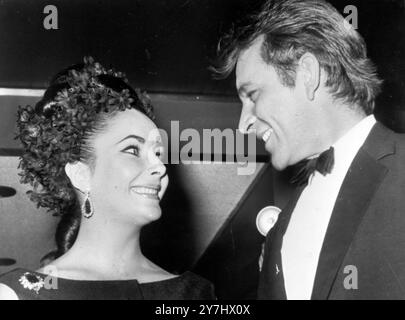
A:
(305, 168)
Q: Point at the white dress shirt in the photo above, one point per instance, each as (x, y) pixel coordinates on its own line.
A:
(302, 242)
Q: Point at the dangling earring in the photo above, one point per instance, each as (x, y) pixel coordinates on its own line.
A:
(87, 207)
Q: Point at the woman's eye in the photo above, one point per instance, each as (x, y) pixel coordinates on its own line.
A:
(132, 150)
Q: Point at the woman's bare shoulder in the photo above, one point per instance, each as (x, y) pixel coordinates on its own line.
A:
(6, 293)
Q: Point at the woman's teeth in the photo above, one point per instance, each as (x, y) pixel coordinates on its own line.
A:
(145, 191)
(267, 135)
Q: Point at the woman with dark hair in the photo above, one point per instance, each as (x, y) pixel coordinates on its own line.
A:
(94, 157)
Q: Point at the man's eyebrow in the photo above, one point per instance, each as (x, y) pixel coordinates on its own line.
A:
(243, 88)
(133, 136)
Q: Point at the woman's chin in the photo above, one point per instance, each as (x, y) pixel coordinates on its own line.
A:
(147, 214)
(155, 214)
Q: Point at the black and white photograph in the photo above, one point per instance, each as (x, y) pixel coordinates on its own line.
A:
(224, 151)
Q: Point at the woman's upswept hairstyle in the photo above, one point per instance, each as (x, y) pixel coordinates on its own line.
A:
(290, 28)
(59, 129)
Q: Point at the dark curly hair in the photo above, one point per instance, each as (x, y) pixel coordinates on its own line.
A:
(77, 105)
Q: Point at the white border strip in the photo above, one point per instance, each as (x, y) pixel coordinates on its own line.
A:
(21, 92)
(155, 96)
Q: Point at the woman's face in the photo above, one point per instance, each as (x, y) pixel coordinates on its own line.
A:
(129, 178)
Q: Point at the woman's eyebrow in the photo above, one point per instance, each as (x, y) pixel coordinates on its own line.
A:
(133, 136)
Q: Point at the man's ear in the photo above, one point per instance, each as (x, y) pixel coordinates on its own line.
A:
(79, 174)
(310, 74)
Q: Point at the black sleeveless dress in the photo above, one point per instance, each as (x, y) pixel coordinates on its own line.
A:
(31, 285)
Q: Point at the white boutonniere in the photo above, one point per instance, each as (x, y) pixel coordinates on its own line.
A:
(266, 219)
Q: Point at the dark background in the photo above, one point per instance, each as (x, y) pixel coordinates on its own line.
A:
(166, 45)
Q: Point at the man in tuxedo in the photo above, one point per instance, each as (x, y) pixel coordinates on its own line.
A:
(308, 90)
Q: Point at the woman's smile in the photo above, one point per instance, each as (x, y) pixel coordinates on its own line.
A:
(147, 191)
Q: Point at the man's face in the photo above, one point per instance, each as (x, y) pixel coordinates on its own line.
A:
(277, 113)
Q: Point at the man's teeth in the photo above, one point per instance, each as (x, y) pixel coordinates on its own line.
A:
(267, 135)
(144, 190)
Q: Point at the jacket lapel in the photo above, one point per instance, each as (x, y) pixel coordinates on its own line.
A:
(361, 182)
(271, 285)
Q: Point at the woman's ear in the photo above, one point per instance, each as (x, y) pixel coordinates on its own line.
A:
(310, 73)
(79, 174)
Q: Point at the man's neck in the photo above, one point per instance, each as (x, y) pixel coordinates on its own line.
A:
(338, 120)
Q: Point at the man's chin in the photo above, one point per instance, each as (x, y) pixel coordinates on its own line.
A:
(278, 165)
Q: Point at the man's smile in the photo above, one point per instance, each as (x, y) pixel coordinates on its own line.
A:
(267, 134)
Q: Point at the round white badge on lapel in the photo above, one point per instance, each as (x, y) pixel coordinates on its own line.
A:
(266, 219)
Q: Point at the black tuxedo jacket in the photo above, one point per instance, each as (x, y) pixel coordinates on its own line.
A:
(366, 232)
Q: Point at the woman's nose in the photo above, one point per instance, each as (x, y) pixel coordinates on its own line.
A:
(158, 170)
(247, 121)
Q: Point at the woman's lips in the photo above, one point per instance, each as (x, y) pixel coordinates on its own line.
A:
(149, 192)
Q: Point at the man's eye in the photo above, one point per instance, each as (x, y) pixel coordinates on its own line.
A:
(252, 95)
(132, 150)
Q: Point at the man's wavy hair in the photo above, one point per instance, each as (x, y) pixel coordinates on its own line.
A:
(290, 28)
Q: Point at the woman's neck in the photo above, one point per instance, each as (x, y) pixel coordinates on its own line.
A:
(105, 250)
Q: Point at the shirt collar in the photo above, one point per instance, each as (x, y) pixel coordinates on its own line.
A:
(349, 144)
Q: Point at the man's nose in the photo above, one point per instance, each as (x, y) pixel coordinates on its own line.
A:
(247, 121)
